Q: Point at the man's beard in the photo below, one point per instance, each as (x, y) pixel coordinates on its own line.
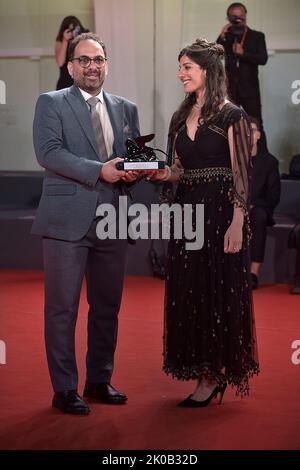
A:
(89, 85)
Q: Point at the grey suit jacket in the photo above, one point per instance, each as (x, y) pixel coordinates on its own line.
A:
(66, 147)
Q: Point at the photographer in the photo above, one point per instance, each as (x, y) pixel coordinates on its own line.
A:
(245, 50)
(69, 28)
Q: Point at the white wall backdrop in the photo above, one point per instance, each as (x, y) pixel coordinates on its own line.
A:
(143, 38)
(28, 29)
(127, 29)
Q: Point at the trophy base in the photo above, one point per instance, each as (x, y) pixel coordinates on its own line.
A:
(139, 165)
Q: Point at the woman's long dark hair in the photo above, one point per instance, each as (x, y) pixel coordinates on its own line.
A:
(66, 22)
(208, 56)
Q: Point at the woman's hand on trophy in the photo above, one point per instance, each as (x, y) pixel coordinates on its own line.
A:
(158, 175)
(130, 176)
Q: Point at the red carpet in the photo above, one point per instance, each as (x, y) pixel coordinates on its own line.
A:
(268, 419)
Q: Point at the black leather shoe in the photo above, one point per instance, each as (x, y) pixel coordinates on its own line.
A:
(104, 392)
(70, 402)
(254, 280)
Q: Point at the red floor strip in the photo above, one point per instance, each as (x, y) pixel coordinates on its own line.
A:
(268, 419)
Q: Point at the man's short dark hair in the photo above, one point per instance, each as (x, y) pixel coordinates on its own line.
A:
(236, 5)
(84, 37)
(255, 121)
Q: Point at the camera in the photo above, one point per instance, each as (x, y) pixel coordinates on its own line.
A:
(78, 30)
(238, 27)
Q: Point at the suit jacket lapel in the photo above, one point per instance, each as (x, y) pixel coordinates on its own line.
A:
(81, 111)
(115, 112)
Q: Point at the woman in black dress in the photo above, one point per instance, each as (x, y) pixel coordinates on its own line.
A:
(69, 28)
(209, 325)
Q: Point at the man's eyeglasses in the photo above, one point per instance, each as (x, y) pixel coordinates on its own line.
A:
(85, 61)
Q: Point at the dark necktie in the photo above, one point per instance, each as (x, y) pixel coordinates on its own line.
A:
(98, 128)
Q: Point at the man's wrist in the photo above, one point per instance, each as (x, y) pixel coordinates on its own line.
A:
(100, 172)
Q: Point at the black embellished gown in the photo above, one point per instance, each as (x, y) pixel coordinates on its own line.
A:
(209, 323)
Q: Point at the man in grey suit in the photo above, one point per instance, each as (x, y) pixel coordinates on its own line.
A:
(76, 132)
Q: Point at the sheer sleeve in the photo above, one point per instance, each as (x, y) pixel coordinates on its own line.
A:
(169, 188)
(170, 151)
(239, 133)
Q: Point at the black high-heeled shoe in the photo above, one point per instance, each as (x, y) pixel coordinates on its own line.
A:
(190, 403)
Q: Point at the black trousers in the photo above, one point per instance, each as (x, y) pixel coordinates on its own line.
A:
(258, 223)
(66, 263)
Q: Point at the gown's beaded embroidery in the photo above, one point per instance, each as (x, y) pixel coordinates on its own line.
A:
(205, 174)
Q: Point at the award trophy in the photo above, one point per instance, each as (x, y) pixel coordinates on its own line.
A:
(139, 156)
